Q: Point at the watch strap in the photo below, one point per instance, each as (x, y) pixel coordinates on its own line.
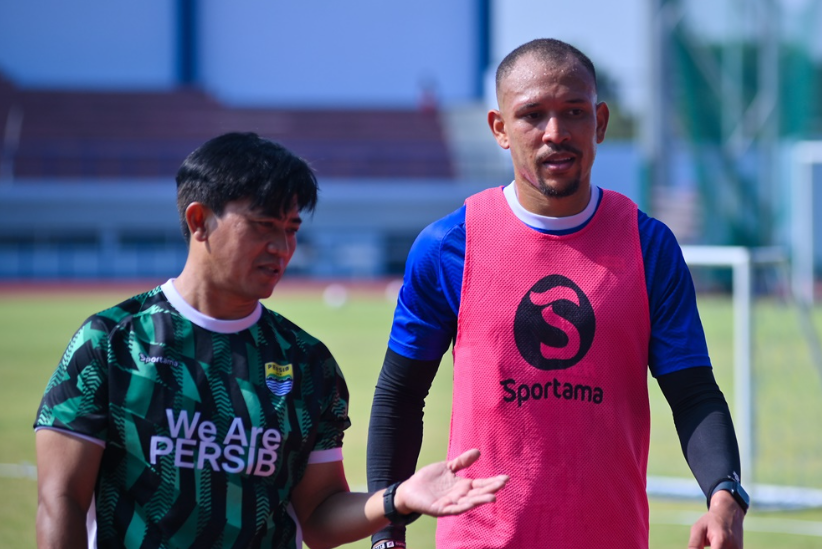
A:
(391, 512)
(388, 544)
(734, 487)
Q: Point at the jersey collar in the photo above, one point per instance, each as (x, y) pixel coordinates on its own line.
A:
(545, 223)
(207, 322)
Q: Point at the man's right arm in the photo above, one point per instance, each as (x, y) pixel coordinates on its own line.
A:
(67, 468)
(395, 430)
(425, 325)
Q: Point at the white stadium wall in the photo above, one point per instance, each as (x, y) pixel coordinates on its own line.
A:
(362, 53)
(89, 44)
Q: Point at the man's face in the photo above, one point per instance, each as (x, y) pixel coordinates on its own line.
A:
(249, 250)
(549, 119)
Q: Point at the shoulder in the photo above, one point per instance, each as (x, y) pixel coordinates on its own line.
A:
(658, 241)
(443, 230)
(654, 228)
(140, 304)
(292, 337)
(79, 387)
(122, 315)
(617, 198)
(438, 252)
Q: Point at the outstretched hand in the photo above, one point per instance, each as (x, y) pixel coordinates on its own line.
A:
(436, 490)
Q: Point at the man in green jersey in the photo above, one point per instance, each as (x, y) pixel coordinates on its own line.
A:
(192, 416)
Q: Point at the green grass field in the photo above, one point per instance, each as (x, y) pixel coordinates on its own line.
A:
(35, 327)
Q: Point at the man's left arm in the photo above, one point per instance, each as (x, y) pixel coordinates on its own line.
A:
(706, 434)
(678, 358)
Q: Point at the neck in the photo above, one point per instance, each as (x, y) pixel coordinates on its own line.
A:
(552, 206)
(211, 298)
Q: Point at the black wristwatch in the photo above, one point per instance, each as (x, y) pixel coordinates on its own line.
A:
(391, 512)
(735, 488)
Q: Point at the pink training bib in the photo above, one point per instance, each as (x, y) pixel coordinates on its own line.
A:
(550, 380)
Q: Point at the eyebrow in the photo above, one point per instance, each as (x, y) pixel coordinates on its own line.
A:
(296, 219)
(261, 216)
(572, 100)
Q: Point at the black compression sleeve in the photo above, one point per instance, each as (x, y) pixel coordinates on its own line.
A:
(703, 423)
(395, 430)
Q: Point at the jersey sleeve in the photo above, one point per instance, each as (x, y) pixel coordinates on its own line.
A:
(334, 418)
(76, 397)
(425, 319)
(677, 336)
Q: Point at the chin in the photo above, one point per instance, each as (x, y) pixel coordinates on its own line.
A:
(559, 189)
(264, 291)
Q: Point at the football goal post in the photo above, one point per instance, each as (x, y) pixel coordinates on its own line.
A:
(805, 156)
(743, 263)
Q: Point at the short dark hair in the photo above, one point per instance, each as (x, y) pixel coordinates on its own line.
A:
(549, 49)
(237, 166)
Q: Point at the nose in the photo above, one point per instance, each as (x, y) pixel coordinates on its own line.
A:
(278, 244)
(555, 130)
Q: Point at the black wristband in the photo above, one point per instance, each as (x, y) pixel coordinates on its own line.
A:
(388, 544)
(391, 512)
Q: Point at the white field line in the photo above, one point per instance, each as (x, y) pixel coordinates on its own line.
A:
(18, 470)
(752, 524)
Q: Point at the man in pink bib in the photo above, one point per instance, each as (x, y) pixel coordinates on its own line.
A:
(558, 296)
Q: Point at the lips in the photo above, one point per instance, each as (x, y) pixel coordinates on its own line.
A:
(270, 269)
(559, 162)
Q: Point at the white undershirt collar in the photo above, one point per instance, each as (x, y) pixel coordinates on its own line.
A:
(207, 322)
(546, 223)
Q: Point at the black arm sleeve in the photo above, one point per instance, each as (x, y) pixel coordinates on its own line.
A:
(395, 430)
(703, 423)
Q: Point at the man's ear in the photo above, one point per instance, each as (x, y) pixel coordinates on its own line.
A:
(497, 125)
(197, 216)
(603, 115)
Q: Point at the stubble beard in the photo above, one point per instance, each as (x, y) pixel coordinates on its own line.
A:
(563, 191)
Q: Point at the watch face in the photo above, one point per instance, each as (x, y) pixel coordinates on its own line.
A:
(742, 494)
(734, 488)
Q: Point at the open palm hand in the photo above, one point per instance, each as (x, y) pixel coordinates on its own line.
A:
(436, 490)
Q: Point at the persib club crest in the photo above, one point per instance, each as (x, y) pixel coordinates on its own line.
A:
(279, 378)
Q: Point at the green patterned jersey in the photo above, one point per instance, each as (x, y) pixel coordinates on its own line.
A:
(207, 424)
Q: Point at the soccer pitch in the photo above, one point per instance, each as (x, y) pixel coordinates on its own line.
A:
(36, 324)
